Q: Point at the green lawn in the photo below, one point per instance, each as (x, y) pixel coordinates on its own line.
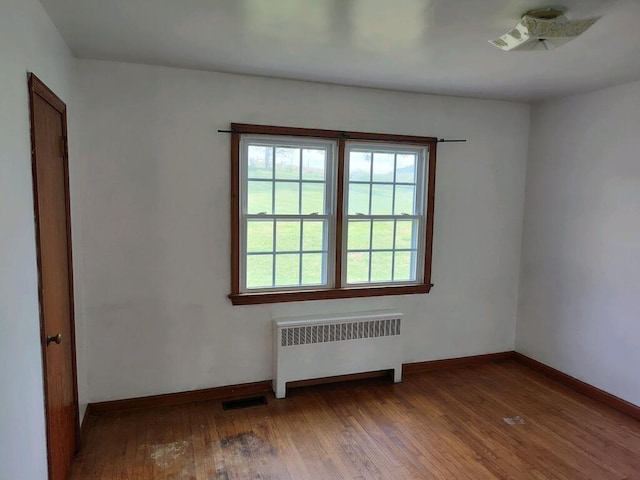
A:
(290, 237)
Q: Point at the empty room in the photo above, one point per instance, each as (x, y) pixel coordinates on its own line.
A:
(319, 239)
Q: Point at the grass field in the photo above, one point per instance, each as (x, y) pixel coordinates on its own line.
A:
(306, 238)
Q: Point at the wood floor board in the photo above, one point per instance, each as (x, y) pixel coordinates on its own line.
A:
(563, 424)
(572, 408)
(539, 446)
(441, 424)
(315, 457)
(373, 460)
(334, 428)
(285, 445)
(461, 429)
(384, 439)
(552, 427)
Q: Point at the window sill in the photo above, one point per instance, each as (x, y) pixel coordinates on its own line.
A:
(306, 295)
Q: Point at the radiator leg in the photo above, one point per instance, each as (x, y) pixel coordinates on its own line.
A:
(280, 388)
(397, 374)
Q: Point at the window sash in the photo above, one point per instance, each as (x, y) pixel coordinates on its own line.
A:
(414, 249)
(328, 252)
(419, 211)
(327, 217)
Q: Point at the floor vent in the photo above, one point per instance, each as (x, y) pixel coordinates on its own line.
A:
(244, 403)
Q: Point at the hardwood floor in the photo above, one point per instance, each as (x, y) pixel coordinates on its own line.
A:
(444, 425)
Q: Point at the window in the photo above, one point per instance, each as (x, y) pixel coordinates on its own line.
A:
(322, 214)
(287, 211)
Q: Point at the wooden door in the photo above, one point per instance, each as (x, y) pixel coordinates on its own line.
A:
(53, 237)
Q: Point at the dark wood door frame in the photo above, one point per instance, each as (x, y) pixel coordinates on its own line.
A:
(38, 88)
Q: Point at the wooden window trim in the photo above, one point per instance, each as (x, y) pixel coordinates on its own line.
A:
(253, 298)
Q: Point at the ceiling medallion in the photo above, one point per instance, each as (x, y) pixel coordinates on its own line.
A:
(542, 29)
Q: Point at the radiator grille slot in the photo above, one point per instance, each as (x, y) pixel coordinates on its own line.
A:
(335, 332)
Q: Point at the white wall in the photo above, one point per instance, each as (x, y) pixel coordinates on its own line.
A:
(154, 187)
(28, 42)
(579, 299)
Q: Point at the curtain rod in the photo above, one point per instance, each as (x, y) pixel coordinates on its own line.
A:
(344, 135)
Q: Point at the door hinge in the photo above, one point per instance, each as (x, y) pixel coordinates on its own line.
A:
(64, 147)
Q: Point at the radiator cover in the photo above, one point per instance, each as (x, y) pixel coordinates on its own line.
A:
(326, 346)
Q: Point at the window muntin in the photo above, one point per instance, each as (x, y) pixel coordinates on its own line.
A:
(384, 216)
(287, 213)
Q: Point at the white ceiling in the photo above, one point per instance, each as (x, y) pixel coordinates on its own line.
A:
(434, 46)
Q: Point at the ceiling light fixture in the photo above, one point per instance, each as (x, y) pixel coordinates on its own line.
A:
(542, 29)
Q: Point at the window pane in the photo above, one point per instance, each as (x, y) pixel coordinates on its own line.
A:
(313, 236)
(357, 267)
(313, 198)
(312, 268)
(358, 199)
(287, 199)
(360, 166)
(259, 236)
(406, 233)
(382, 236)
(287, 269)
(260, 161)
(313, 164)
(406, 168)
(381, 266)
(381, 199)
(287, 162)
(358, 232)
(402, 267)
(383, 164)
(259, 197)
(259, 271)
(405, 199)
(288, 236)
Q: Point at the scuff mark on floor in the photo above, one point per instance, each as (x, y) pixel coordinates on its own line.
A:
(517, 420)
(244, 454)
(165, 454)
(246, 444)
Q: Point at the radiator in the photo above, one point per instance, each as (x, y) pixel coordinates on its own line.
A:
(317, 347)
